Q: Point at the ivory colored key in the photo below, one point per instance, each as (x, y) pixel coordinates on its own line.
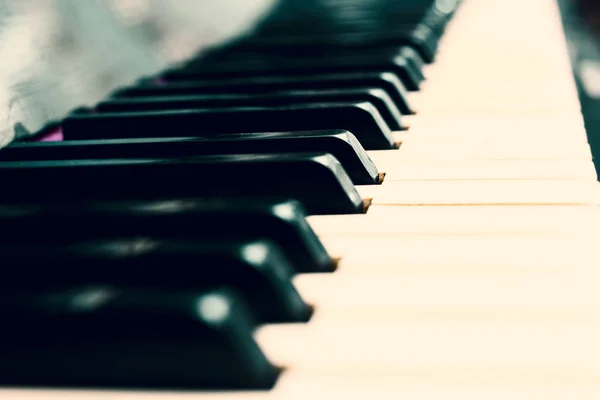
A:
(495, 342)
(406, 221)
(540, 51)
(489, 192)
(384, 383)
(457, 145)
(480, 148)
(434, 289)
(472, 311)
(486, 137)
(466, 254)
(437, 293)
(477, 90)
(485, 97)
(490, 170)
(564, 127)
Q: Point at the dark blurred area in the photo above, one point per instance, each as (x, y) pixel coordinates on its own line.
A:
(589, 12)
(581, 19)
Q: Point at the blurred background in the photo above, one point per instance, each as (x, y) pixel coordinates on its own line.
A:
(57, 55)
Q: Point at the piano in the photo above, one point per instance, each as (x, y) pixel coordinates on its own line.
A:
(294, 199)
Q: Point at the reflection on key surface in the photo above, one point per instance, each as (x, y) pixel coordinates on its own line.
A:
(473, 275)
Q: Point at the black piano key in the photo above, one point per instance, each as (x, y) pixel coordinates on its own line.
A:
(437, 18)
(282, 222)
(414, 59)
(352, 24)
(316, 179)
(377, 97)
(258, 270)
(274, 84)
(349, 15)
(419, 37)
(292, 50)
(256, 66)
(362, 119)
(424, 41)
(341, 144)
(106, 337)
(298, 38)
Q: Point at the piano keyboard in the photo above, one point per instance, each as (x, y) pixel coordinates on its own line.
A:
(471, 275)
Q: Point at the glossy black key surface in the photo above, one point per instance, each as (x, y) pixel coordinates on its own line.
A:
(258, 270)
(418, 37)
(362, 119)
(316, 179)
(437, 17)
(273, 84)
(341, 144)
(257, 64)
(414, 59)
(292, 49)
(354, 24)
(115, 338)
(377, 97)
(198, 220)
(310, 16)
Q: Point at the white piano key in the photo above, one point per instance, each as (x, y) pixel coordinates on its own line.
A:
(466, 254)
(383, 383)
(490, 170)
(513, 126)
(395, 295)
(492, 148)
(491, 97)
(499, 192)
(479, 341)
(508, 124)
(465, 220)
(470, 339)
(457, 273)
(387, 383)
(489, 138)
(480, 148)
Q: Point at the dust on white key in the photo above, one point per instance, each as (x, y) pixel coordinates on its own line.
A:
(458, 302)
